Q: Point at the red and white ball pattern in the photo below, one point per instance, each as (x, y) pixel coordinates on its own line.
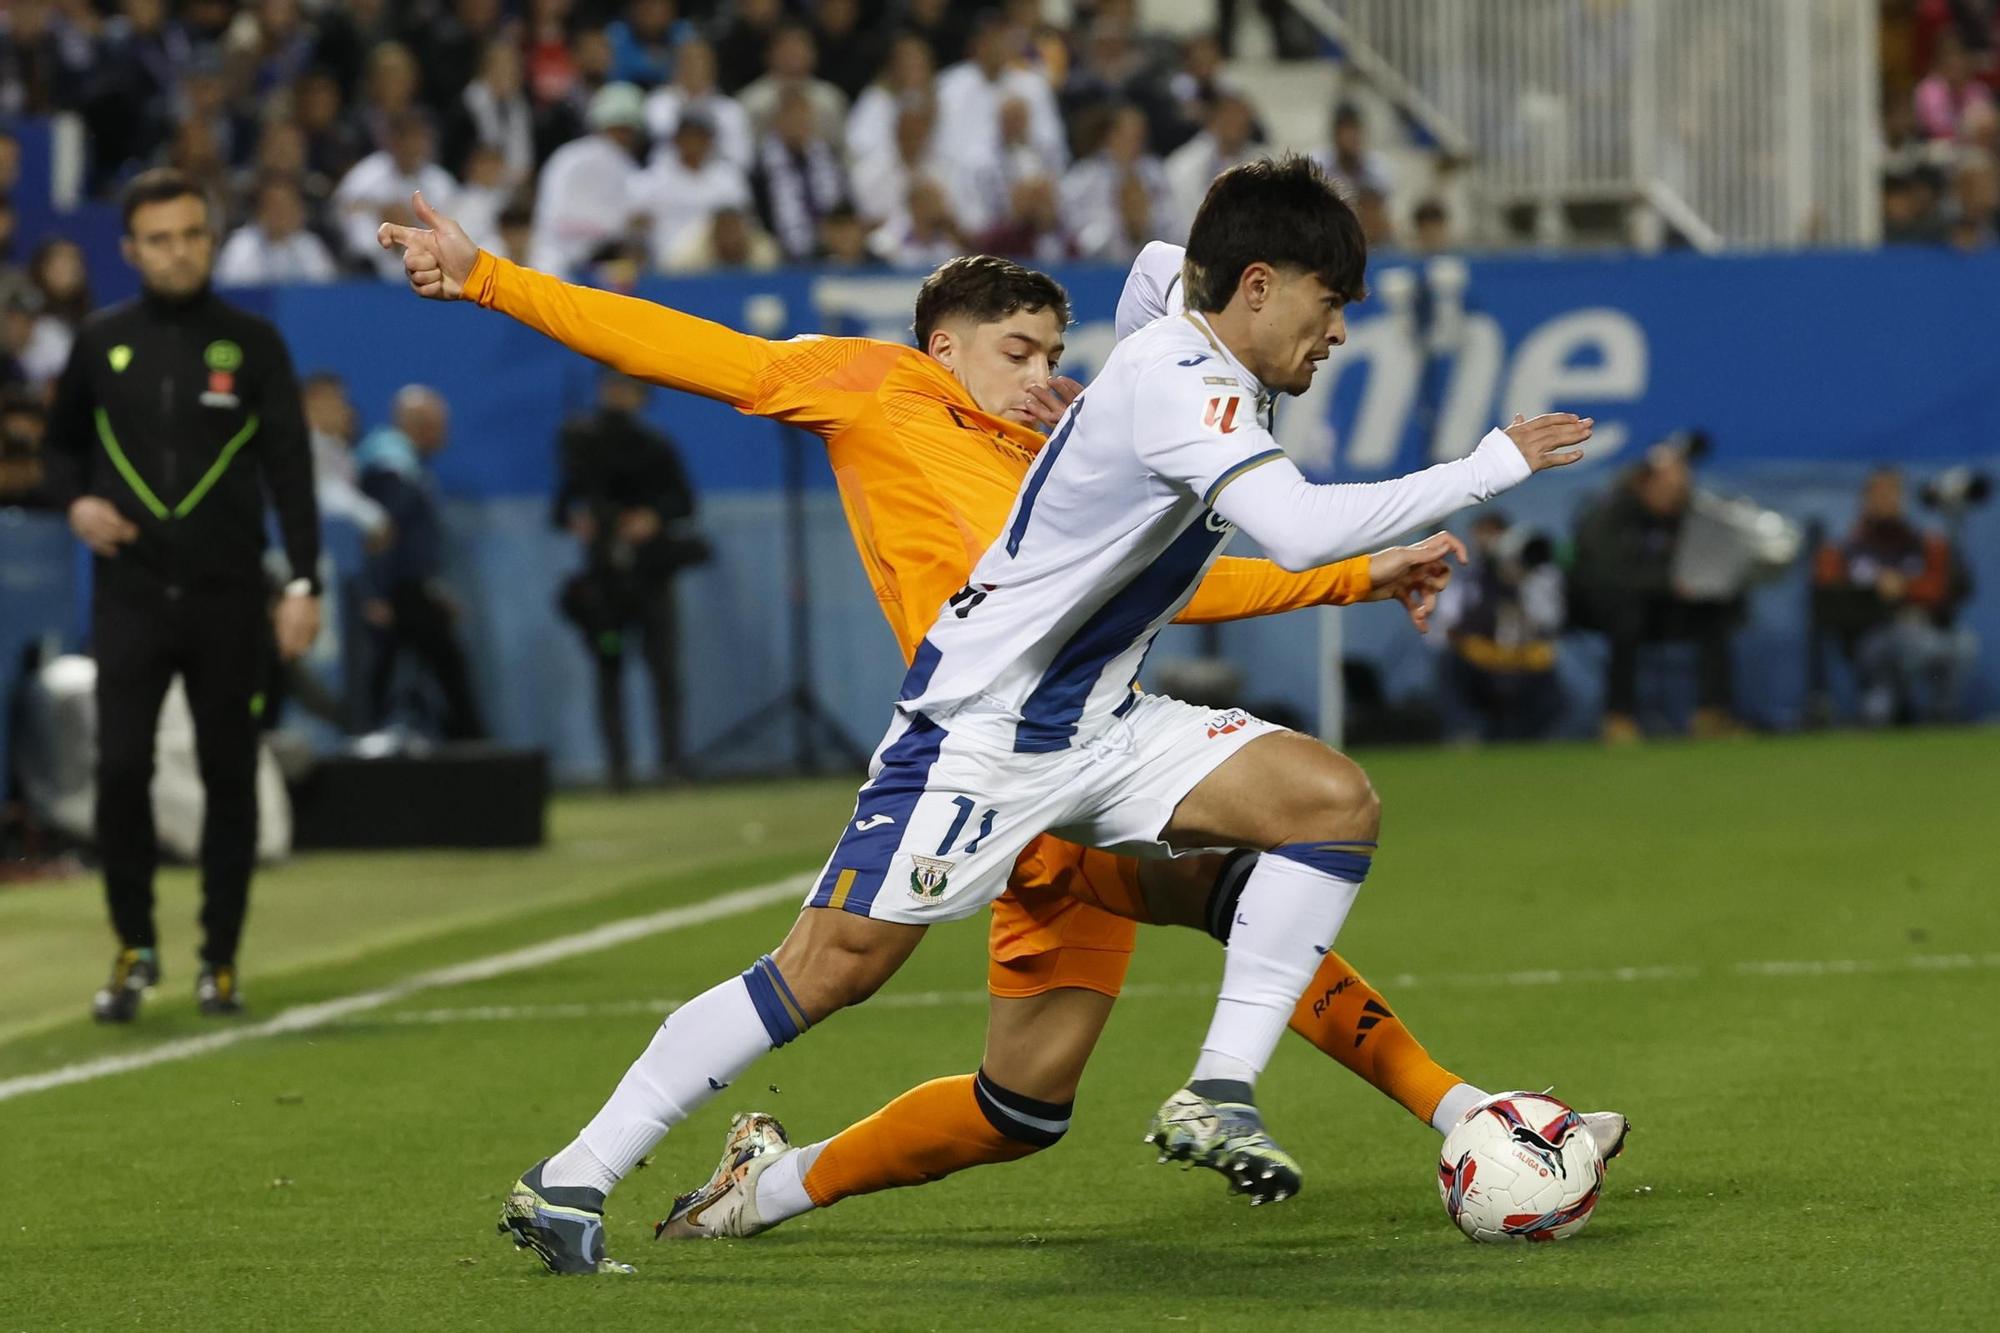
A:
(1520, 1166)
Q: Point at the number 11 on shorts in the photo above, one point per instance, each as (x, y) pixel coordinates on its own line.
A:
(965, 806)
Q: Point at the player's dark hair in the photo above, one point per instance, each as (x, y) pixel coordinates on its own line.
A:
(1284, 213)
(158, 186)
(984, 288)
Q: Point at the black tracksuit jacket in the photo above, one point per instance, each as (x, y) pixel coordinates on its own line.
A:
(183, 415)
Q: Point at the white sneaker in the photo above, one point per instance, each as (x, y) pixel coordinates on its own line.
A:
(727, 1204)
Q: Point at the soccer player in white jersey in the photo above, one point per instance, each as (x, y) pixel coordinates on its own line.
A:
(1018, 715)
(1020, 712)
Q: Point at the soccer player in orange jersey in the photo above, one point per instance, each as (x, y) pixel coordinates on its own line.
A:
(929, 445)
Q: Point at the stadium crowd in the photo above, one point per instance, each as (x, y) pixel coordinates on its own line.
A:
(1940, 122)
(603, 138)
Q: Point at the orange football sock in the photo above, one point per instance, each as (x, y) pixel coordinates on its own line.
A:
(1348, 1019)
(924, 1135)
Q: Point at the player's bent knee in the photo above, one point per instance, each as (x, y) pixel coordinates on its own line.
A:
(1344, 801)
(1033, 1124)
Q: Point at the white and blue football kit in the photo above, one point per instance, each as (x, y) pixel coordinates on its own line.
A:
(1020, 714)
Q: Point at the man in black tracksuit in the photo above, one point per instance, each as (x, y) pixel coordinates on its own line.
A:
(625, 495)
(175, 416)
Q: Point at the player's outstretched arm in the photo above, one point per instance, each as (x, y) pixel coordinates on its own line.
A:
(1302, 524)
(639, 338)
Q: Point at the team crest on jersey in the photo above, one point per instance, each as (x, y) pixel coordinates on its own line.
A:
(929, 878)
(1226, 721)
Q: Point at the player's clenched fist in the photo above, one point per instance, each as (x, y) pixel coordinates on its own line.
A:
(437, 256)
(1550, 440)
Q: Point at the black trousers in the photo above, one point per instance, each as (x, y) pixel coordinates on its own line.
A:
(655, 618)
(423, 627)
(1641, 620)
(215, 641)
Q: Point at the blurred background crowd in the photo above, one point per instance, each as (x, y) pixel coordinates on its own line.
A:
(635, 143)
(654, 134)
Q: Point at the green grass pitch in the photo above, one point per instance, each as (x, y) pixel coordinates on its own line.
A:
(1781, 958)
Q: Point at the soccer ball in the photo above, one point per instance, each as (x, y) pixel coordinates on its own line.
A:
(1520, 1166)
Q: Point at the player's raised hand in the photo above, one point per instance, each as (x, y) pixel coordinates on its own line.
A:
(1047, 402)
(437, 256)
(1550, 440)
(1414, 575)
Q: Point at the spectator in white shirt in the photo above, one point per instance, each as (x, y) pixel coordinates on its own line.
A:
(330, 427)
(882, 179)
(799, 177)
(1348, 160)
(586, 194)
(972, 92)
(731, 239)
(688, 183)
(274, 248)
(908, 75)
(1195, 164)
(923, 233)
(1116, 200)
(378, 190)
(789, 62)
(694, 90)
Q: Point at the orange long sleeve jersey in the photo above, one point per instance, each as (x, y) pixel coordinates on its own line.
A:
(926, 478)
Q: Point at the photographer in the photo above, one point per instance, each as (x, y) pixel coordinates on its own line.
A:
(1502, 617)
(624, 495)
(1630, 582)
(1890, 594)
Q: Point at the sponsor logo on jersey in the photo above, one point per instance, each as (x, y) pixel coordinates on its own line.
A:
(1223, 723)
(1215, 522)
(223, 354)
(221, 390)
(1195, 360)
(873, 821)
(1221, 414)
(929, 877)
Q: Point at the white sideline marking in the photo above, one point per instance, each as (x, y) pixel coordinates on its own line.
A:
(304, 1018)
(1954, 962)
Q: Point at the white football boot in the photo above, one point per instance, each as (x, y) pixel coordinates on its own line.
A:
(727, 1204)
(1607, 1129)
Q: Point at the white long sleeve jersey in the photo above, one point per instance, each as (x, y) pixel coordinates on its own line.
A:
(1142, 482)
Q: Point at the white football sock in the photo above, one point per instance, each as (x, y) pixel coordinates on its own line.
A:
(1286, 921)
(700, 1049)
(578, 1165)
(781, 1190)
(1454, 1104)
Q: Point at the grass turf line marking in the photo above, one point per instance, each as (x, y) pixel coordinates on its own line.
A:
(1781, 968)
(305, 1017)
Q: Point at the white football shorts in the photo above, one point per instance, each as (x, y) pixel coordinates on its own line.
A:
(943, 815)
